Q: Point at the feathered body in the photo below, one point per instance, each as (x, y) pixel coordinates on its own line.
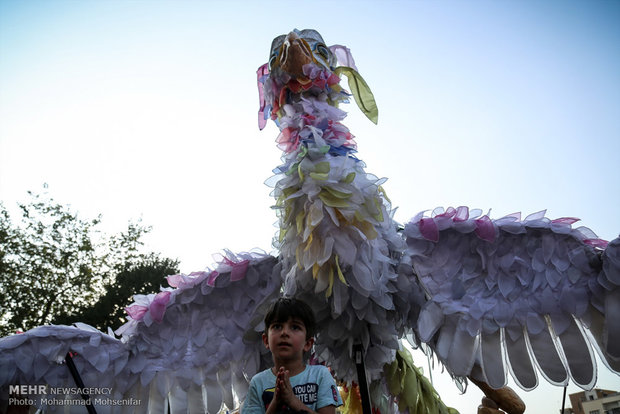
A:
(488, 297)
(338, 244)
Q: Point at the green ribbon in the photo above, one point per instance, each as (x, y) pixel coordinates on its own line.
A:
(364, 98)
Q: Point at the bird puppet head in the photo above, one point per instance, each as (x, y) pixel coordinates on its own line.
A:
(290, 53)
(301, 65)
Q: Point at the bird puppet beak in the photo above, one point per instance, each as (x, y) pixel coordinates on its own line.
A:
(294, 55)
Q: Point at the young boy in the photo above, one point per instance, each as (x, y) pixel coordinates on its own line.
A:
(291, 385)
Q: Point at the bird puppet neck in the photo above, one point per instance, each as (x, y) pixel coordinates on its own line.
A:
(300, 90)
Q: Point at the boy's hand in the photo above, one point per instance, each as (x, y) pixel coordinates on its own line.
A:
(284, 392)
(284, 396)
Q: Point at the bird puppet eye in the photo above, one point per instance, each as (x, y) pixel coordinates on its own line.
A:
(323, 50)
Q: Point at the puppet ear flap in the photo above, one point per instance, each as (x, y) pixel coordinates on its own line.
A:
(343, 56)
(261, 75)
(364, 98)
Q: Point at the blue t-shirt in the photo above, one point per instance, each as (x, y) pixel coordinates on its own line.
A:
(314, 386)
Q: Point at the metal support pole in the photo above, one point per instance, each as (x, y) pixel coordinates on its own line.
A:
(358, 352)
(78, 381)
(564, 399)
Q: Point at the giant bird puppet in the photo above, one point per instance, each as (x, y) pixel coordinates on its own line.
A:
(528, 297)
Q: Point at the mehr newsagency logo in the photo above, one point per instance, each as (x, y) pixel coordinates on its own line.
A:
(31, 395)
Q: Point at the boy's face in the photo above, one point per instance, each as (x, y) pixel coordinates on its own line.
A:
(287, 340)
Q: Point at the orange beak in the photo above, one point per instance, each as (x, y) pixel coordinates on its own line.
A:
(294, 55)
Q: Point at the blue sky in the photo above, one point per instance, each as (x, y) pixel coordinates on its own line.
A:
(148, 109)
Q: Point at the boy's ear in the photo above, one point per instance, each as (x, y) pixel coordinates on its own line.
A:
(266, 340)
(309, 343)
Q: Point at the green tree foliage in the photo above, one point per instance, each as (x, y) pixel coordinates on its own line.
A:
(55, 265)
(144, 275)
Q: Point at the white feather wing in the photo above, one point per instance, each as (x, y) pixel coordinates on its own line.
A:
(520, 296)
(192, 348)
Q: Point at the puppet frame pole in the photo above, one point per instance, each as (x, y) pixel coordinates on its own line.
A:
(564, 399)
(358, 353)
(78, 381)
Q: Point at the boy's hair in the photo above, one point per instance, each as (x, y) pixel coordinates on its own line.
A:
(285, 308)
